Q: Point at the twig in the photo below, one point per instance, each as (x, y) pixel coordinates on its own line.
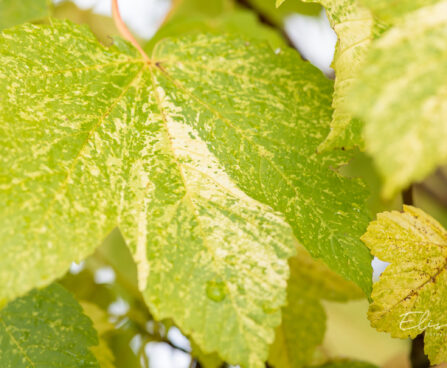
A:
(407, 196)
(122, 28)
(263, 19)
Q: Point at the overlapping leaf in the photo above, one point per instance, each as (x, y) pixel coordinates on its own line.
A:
(13, 12)
(304, 319)
(401, 95)
(193, 156)
(411, 295)
(46, 328)
(238, 22)
(354, 28)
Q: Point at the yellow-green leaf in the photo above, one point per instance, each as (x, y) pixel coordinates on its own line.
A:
(200, 158)
(410, 296)
(401, 95)
(392, 12)
(353, 25)
(46, 328)
(13, 12)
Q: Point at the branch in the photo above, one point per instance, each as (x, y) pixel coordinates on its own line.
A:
(263, 19)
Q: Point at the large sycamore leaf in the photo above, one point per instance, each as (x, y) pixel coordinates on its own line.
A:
(411, 294)
(193, 155)
(354, 27)
(13, 12)
(268, 144)
(303, 318)
(401, 95)
(46, 328)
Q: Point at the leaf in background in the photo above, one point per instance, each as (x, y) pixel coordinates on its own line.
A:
(240, 22)
(193, 8)
(346, 363)
(46, 328)
(354, 28)
(211, 360)
(13, 12)
(103, 27)
(410, 296)
(277, 15)
(304, 319)
(95, 137)
(401, 96)
(102, 325)
(391, 13)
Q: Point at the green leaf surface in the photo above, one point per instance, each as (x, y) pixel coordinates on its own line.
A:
(183, 156)
(409, 297)
(46, 328)
(391, 13)
(13, 12)
(401, 96)
(276, 164)
(354, 28)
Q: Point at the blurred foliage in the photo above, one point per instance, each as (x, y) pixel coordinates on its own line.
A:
(103, 27)
(361, 165)
(349, 334)
(216, 17)
(276, 15)
(13, 12)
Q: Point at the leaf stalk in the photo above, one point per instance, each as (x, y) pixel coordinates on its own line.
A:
(122, 28)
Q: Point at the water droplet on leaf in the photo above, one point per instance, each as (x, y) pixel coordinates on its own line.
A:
(215, 290)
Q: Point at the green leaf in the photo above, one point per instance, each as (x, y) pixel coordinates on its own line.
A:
(354, 28)
(390, 13)
(183, 156)
(304, 318)
(302, 329)
(102, 325)
(13, 12)
(46, 328)
(276, 14)
(206, 360)
(409, 297)
(403, 82)
(103, 27)
(203, 8)
(346, 363)
(240, 22)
